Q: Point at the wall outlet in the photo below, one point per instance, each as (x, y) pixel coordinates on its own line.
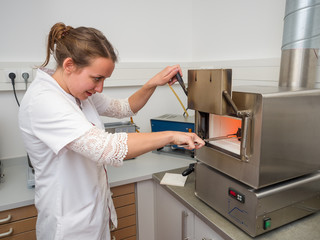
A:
(7, 71)
(27, 72)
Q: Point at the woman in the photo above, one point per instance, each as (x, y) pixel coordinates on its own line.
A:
(66, 141)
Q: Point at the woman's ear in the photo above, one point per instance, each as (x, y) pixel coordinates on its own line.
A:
(68, 65)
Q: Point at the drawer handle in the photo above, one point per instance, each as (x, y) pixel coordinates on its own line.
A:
(6, 234)
(7, 219)
(184, 225)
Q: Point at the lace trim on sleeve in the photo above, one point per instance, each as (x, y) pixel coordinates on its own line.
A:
(47, 70)
(119, 108)
(102, 147)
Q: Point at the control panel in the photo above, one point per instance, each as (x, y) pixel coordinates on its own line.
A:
(236, 195)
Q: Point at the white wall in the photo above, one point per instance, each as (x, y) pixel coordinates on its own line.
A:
(182, 31)
(233, 29)
(140, 30)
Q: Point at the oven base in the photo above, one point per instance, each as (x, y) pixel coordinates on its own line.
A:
(257, 211)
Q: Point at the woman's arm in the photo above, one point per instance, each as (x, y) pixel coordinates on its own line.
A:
(112, 149)
(141, 97)
(140, 143)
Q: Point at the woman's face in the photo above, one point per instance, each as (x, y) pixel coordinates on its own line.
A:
(82, 83)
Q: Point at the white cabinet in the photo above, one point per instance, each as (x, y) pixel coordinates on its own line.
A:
(203, 232)
(172, 219)
(145, 199)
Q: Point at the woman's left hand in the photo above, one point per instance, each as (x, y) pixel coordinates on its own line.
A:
(140, 97)
(167, 75)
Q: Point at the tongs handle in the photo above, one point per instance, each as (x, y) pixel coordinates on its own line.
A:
(180, 80)
(189, 170)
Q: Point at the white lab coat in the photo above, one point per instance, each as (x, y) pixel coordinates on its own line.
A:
(71, 192)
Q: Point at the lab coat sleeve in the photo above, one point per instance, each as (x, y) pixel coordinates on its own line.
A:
(111, 107)
(55, 120)
(101, 147)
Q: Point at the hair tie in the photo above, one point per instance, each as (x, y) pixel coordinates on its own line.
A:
(64, 33)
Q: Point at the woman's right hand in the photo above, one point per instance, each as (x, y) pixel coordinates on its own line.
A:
(140, 143)
(187, 140)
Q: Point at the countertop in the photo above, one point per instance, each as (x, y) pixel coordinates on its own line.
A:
(306, 228)
(14, 192)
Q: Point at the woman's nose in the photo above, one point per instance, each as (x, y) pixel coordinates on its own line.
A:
(99, 87)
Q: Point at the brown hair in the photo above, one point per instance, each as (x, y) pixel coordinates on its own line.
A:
(82, 44)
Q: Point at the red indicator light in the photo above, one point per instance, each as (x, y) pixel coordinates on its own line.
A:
(232, 193)
(236, 195)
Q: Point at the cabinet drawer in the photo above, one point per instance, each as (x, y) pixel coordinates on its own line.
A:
(124, 200)
(31, 235)
(124, 233)
(18, 227)
(17, 214)
(122, 190)
(124, 203)
(131, 238)
(126, 210)
(126, 221)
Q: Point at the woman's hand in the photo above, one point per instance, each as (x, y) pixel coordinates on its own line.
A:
(167, 75)
(187, 140)
(140, 143)
(140, 97)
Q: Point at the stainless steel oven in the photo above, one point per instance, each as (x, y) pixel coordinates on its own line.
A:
(261, 157)
(260, 166)
(270, 137)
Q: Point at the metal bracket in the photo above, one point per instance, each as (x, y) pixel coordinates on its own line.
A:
(245, 115)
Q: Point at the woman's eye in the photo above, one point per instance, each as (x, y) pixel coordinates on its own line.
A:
(97, 79)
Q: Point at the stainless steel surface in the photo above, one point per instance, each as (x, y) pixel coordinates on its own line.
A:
(301, 24)
(281, 203)
(300, 44)
(124, 126)
(175, 118)
(275, 168)
(298, 68)
(306, 228)
(280, 142)
(230, 102)
(205, 89)
(246, 117)
(1, 173)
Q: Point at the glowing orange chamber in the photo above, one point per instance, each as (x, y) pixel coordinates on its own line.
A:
(228, 127)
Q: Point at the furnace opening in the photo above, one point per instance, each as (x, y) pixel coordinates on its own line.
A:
(228, 129)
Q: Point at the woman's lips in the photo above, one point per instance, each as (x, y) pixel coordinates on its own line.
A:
(89, 93)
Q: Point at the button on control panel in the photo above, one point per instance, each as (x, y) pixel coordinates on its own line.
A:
(266, 223)
(236, 195)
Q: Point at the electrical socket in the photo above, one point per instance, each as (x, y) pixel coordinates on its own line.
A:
(26, 70)
(7, 71)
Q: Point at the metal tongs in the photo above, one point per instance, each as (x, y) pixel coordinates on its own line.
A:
(180, 80)
(207, 140)
(219, 138)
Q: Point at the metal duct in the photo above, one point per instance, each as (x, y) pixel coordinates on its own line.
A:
(300, 44)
